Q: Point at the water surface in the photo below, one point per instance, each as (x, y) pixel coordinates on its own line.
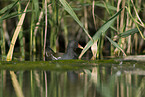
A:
(72, 78)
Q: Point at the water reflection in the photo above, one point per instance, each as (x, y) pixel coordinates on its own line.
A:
(101, 81)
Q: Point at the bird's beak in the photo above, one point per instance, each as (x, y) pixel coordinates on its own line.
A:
(79, 46)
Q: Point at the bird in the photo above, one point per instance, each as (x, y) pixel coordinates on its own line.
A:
(70, 52)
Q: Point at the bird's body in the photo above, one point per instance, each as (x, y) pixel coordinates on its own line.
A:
(69, 55)
(70, 52)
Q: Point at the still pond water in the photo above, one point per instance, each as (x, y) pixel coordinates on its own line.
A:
(72, 78)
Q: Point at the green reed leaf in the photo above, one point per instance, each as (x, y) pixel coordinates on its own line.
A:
(0, 42)
(108, 5)
(100, 32)
(11, 15)
(116, 45)
(68, 8)
(8, 8)
(128, 32)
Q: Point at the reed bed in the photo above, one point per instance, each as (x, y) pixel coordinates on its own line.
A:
(107, 28)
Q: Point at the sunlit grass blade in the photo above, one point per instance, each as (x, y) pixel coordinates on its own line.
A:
(100, 32)
(16, 33)
(116, 45)
(68, 8)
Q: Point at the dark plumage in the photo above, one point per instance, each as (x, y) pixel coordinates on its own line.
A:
(70, 53)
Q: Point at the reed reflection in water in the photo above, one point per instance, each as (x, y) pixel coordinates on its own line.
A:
(96, 82)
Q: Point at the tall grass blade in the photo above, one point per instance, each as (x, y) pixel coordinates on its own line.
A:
(22, 49)
(68, 8)
(0, 42)
(16, 85)
(35, 14)
(8, 8)
(110, 7)
(128, 32)
(16, 33)
(10, 15)
(116, 45)
(36, 7)
(100, 32)
(137, 15)
(136, 23)
(45, 30)
(54, 11)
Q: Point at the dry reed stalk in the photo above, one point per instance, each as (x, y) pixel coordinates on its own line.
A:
(128, 27)
(93, 9)
(123, 44)
(118, 4)
(45, 29)
(136, 12)
(16, 33)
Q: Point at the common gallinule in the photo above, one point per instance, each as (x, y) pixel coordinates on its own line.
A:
(70, 53)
